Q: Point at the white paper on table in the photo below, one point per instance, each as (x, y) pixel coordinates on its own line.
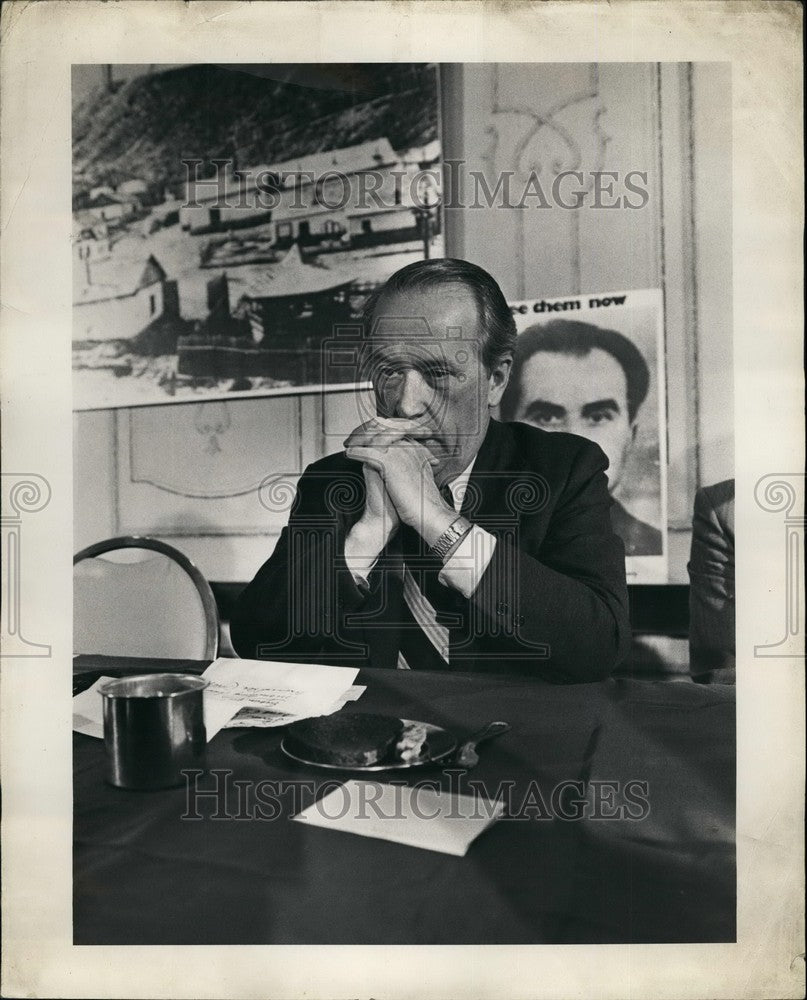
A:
(262, 718)
(88, 712)
(301, 690)
(353, 693)
(418, 816)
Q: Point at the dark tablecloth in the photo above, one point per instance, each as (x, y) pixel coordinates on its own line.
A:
(143, 874)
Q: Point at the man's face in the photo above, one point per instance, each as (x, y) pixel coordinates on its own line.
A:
(582, 395)
(425, 366)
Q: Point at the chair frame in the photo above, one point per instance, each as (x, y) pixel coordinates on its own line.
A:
(202, 586)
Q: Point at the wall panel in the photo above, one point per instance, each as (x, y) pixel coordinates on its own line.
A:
(195, 470)
(669, 121)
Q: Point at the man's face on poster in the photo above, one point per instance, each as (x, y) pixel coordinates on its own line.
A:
(585, 395)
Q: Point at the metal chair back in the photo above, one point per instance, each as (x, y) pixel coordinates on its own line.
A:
(152, 603)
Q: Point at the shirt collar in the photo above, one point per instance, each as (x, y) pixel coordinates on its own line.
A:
(459, 485)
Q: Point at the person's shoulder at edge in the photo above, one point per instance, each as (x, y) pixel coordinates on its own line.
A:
(711, 593)
(718, 498)
(718, 494)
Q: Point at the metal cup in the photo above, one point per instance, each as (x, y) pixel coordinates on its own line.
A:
(154, 727)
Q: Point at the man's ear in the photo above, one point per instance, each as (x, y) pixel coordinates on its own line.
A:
(499, 377)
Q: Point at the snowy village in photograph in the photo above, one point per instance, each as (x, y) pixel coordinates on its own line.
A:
(228, 219)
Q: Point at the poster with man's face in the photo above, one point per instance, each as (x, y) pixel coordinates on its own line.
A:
(593, 365)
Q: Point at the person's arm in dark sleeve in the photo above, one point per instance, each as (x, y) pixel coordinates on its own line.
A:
(711, 589)
(563, 604)
(295, 606)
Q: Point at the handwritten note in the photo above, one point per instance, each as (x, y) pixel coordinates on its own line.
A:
(264, 718)
(278, 692)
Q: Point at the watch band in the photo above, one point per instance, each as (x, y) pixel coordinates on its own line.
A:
(456, 531)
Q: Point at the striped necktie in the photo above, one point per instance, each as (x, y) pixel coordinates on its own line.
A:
(424, 642)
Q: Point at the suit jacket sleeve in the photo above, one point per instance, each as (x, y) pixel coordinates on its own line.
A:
(562, 599)
(294, 608)
(711, 592)
(552, 601)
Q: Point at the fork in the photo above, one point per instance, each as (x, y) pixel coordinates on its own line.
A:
(466, 754)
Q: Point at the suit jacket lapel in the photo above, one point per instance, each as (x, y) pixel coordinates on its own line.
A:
(485, 501)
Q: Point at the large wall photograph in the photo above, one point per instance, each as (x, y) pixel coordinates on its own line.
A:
(226, 218)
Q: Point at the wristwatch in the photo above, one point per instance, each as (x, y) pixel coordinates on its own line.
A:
(454, 533)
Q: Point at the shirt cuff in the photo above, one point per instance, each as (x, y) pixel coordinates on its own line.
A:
(466, 565)
(358, 560)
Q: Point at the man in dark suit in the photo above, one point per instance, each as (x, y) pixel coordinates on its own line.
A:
(442, 539)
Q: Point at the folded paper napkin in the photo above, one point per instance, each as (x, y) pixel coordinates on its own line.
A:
(418, 816)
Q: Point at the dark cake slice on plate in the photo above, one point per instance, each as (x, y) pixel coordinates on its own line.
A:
(346, 739)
